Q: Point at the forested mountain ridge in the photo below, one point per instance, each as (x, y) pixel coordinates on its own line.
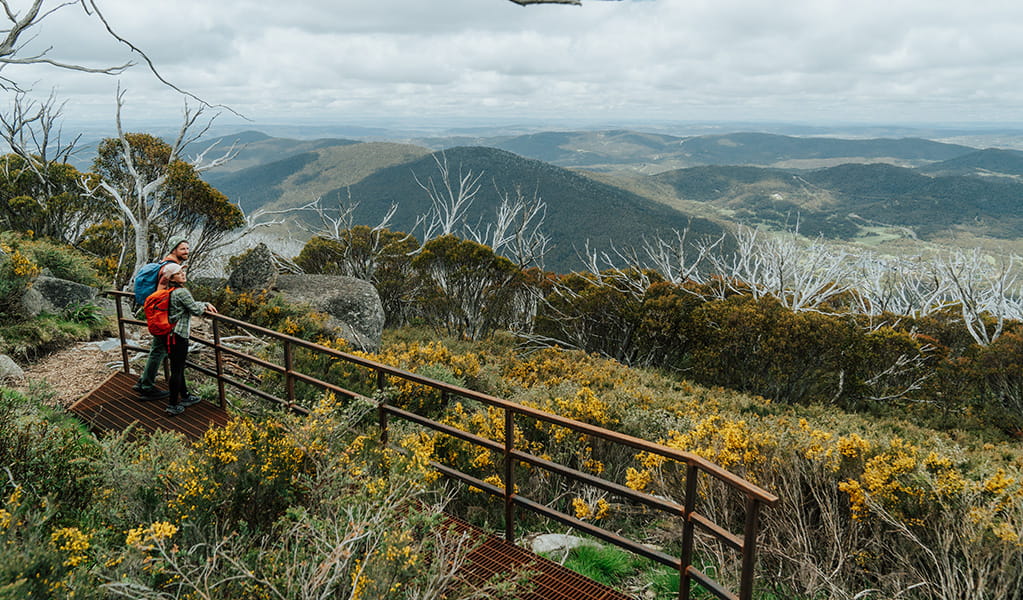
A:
(975, 192)
(987, 162)
(580, 210)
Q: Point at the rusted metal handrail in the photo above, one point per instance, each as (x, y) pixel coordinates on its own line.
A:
(756, 497)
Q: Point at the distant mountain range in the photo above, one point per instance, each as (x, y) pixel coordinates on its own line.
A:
(615, 187)
(650, 153)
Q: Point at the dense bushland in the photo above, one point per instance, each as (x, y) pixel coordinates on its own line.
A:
(866, 502)
(948, 360)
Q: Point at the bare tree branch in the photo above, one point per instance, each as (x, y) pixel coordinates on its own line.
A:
(448, 205)
(528, 2)
(22, 29)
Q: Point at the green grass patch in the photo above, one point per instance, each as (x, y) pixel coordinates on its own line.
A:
(31, 339)
(604, 564)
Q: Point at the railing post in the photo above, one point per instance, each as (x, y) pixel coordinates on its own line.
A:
(687, 533)
(121, 334)
(749, 548)
(218, 357)
(289, 379)
(509, 476)
(381, 408)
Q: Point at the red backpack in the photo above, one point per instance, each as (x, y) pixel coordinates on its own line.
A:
(157, 307)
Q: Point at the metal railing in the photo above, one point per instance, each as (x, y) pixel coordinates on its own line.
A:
(695, 466)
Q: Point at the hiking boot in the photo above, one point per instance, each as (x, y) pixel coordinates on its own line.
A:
(189, 400)
(174, 409)
(152, 394)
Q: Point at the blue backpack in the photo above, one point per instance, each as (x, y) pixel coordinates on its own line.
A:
(145, 281)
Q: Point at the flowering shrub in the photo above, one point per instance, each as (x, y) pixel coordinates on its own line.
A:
(16, 274)
(241, 472)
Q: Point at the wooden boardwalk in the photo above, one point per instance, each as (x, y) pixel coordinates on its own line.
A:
(114, 405)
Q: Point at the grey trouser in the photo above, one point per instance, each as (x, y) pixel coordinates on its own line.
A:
(157, 354)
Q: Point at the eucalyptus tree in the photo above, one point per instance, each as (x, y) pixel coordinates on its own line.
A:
(156, 190)
(449, 200)
(517, 229)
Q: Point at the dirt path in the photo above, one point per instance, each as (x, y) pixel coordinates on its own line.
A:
(69, 374)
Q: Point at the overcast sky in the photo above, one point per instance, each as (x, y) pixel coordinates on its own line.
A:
(369, 61)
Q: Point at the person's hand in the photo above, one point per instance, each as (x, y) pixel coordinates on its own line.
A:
(211, 308)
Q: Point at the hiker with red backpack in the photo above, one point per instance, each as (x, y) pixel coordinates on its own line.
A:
(169, 313)
(145, 283)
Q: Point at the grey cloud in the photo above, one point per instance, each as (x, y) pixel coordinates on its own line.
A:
(702, 58)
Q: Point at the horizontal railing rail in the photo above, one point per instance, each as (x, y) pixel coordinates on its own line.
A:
(756, 497)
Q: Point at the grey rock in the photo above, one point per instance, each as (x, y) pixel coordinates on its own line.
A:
(9, 370)
(353, 305)
(107, 305)
(32, 303)
(257, 271)
(107, 345)
(554, 542)
(59, 294)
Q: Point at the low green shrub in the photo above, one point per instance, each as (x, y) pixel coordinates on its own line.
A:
(63, 262)
(46, 451)
(30, 339)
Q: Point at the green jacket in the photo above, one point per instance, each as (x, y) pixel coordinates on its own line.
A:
(182, 307)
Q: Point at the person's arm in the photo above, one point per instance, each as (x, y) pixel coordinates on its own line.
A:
(189, 304)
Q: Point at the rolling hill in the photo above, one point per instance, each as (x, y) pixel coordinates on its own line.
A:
(302, 177)
(256, 148)
(991, 162)
(620, 150)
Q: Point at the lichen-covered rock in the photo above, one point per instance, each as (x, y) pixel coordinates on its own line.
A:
(353, 305)
(256, 271)
(59, 294)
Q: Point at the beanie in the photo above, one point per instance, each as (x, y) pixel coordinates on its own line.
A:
(174, 242)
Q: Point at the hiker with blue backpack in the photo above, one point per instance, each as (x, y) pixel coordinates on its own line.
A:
(145, 283)
(169, 312)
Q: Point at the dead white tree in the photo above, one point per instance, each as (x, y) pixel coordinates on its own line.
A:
(517, 231)
(32, 130)
(902, 286)
(37, 167)
(361, 249)
(986, 289)
(571, 2)
(24, 25)
(679, 259)
(335, 221)
(801, 277)
(449, 202)
(528, 2)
